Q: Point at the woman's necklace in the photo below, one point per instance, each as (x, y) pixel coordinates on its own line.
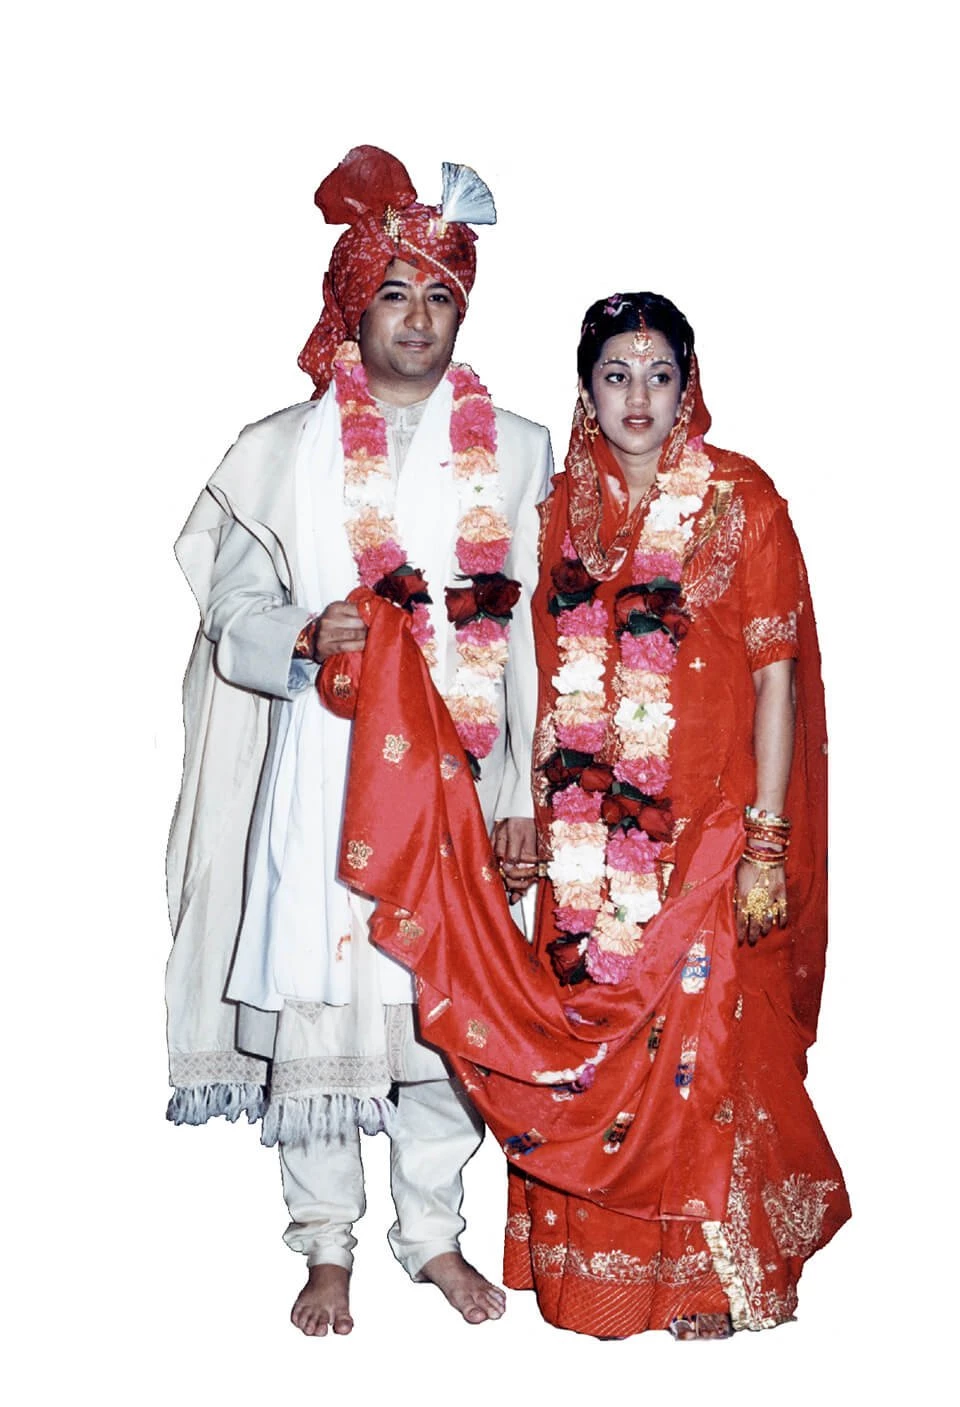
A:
(609, 778)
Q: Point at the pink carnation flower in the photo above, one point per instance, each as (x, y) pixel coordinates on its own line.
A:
(647, 565)
(648, 774)
(366, 436)
(473, 425)
(474, 461)
(482, 632)
(575, 920)
(477, 738)
(645, 686)
(465, 382)
(633, 851)
(475, 557)
(421, 626)
(575, 804)
(380, 561)
(578, 647)
(582, 737)
(589, 619)
(563, 832)
(604, 967)
(654, 653)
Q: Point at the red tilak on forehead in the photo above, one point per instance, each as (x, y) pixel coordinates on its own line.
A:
(420, 277)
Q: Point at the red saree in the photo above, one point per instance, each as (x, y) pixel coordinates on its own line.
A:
(741, 1185)
(643, 1185)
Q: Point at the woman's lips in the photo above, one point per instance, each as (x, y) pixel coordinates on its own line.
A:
(637, 422)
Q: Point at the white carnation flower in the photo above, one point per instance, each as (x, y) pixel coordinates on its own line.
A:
(666, 511)
(479, 491)
(470, 683)
(636, 905)
(584, 675)
(576, 864)
(374, 491)
(641, 718)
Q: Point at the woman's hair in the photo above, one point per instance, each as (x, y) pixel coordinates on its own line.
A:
(628, 312)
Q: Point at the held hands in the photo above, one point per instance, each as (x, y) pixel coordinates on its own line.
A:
(338, 630)
(760, 900)
(515, 848)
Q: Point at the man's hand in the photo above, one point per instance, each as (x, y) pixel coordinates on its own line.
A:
(515, 847)
(340, 630)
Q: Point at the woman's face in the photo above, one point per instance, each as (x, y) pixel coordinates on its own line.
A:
(634, 397)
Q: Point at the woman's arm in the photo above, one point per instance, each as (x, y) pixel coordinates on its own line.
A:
(773, 747)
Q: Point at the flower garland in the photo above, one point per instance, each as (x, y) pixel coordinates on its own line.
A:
(480, 612)
(610, 812)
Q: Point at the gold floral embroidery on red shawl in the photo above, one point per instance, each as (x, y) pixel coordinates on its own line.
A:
(358, 853)
(395, 746)
(477, 1033)
(410, 931)
(796, 1209)
(763, 631)
(714, 549)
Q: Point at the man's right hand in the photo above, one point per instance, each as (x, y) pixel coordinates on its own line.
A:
(340, 630)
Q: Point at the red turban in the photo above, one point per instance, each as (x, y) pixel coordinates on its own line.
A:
(371, 192)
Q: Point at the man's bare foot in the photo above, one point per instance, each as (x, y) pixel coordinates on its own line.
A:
(324, 1302)
(465, 1288)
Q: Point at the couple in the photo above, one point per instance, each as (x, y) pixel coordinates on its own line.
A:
(364, 703)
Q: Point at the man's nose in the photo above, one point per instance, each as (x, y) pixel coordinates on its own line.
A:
(418, 313)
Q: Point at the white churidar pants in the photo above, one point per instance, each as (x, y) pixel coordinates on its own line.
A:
(435, 1133)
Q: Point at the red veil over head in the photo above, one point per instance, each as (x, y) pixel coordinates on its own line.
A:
(372, 193)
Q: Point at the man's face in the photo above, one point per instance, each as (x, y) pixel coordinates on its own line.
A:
(407, 334)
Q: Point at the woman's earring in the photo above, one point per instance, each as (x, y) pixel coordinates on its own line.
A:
(591, 427)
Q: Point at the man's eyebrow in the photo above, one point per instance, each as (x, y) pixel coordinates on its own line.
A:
(408, 283)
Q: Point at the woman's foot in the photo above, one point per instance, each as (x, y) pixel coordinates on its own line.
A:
(324, 1302)
(702, 1326)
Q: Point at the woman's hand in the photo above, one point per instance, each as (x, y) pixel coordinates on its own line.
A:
(515, 848)
(760, 900)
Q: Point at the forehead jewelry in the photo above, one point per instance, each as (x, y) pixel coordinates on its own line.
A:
(642, 345)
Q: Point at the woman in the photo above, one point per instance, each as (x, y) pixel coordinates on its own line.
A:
(681, 749)
(642, 1067)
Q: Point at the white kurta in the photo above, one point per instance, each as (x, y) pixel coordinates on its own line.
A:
(268, 551)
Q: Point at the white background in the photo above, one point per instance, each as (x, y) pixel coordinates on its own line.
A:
(780, 173)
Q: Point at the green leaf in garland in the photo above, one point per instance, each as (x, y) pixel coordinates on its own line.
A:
(640, 623)
(567, 600)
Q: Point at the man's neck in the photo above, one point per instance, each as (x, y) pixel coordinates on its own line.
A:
(403, 391)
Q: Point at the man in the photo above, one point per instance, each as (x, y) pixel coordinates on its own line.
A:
(403, 477)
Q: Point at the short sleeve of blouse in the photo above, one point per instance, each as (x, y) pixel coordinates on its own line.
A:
(771, 590)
